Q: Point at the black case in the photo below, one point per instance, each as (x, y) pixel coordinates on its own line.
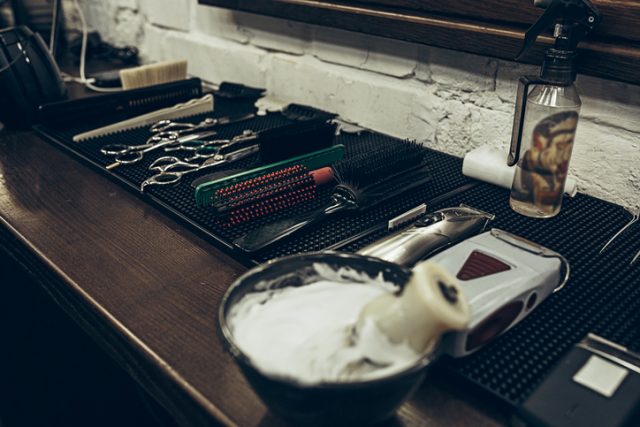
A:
(560, 401)
(31, 79)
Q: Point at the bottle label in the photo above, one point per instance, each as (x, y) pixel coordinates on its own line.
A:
(542, 169)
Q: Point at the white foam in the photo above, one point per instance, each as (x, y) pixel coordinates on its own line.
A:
(305, 333)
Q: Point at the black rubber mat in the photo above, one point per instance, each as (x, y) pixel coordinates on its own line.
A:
(602, 296)
(179, 198)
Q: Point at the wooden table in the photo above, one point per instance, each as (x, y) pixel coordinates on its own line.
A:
(148, 290)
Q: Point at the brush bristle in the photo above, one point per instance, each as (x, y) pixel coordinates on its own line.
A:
(265, 194)
(381, 164)
(152, 74)
(375, 176)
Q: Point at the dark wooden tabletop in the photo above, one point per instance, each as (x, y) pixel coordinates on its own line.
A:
(148, 290)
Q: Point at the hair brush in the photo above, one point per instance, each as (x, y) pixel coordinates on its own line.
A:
(268, 194)
(294, 140)
(207, 186)
(363, 181)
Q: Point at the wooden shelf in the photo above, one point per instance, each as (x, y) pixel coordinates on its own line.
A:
(496, 29)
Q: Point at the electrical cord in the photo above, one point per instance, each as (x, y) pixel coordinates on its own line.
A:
(83, 56)
(54, 28)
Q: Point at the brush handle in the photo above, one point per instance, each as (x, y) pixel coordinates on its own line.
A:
(264, 236)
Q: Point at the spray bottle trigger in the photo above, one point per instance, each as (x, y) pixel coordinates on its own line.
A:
(582, 13)
(544, 21)
(518, 118)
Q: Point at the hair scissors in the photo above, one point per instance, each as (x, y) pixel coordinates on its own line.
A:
(173, 169)
(185, 127)
(129, 154)
(200, 151)
(171, 163)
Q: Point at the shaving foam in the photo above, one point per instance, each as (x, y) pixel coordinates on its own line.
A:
(305, 333)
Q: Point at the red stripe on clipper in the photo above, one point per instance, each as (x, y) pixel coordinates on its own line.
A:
(481, 265)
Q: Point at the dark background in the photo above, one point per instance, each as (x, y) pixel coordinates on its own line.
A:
(52, 373)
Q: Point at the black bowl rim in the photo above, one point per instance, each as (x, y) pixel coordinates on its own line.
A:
(420, 364)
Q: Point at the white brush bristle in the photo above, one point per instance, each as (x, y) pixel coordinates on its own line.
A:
(152, 74)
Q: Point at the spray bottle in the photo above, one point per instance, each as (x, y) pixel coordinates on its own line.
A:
(547, 109)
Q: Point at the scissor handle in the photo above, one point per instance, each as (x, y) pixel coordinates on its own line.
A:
(164, 136)
(205, 152)
(169, 125)
(115, 149)
(171, 164)
(162, 162)
(163, 178)
(192, 145)
(129, 157)
(181, 167)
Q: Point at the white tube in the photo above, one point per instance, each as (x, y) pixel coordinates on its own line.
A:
(489, 164)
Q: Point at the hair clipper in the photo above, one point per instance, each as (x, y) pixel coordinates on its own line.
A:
(429, 234)
(504, 277)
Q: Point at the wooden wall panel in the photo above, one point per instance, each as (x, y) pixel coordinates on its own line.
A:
(496, 29)
(622, 18)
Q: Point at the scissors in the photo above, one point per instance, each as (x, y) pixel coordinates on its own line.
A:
(171, 163)
(184, 127)
(173, 169)
(129, 154)
(200, 150)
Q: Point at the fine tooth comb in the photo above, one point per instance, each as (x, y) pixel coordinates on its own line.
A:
(363, 181)
(270, 193)
(190, 108)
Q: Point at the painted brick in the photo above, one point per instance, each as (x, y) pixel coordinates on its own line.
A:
(154, 44)
(218, 22)
(507, 78)
(607, 165)
(450, 100)
(173, 14)
(384, 56)
(423, 70)
(339, 47)
(118, 22)
(217, 60)
(381, 103)
(275, 34)
(462, 71)
(610, 103)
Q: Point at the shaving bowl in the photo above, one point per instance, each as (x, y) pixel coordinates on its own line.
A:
(361, 402)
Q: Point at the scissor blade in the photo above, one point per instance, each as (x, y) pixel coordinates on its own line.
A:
(241, 153)
(234, 119)
(229, 157)
(195, 136)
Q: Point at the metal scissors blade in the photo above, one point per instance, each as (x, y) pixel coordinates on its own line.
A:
(183, 127)
(190, 142)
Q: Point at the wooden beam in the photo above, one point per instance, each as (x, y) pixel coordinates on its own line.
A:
(611, 59)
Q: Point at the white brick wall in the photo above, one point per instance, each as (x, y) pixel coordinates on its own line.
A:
(452, 101)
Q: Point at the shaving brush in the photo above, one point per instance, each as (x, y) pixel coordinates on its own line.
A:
(430, 304)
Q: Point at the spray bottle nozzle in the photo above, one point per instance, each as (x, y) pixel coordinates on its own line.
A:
(574, 19)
